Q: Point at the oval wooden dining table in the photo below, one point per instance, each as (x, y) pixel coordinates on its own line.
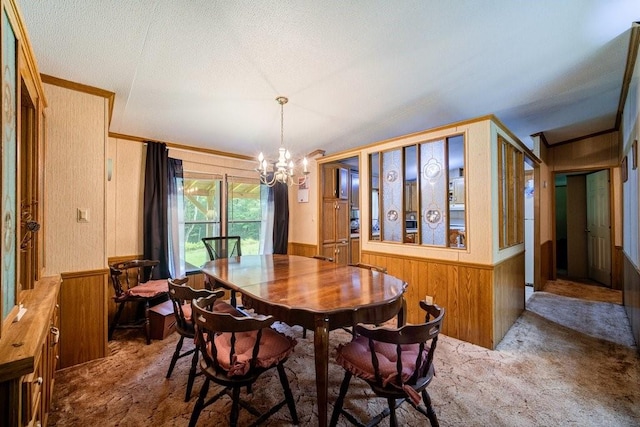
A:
(316, 294)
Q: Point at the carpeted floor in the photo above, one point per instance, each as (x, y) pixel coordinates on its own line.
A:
(565, 362)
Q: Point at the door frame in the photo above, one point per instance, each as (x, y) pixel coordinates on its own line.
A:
(554, 270)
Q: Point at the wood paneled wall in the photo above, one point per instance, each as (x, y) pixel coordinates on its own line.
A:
(631, 296)
(617, 268)
(508, 287)
(302, 249)
(83, 317)
(546, 262)
(481, 302)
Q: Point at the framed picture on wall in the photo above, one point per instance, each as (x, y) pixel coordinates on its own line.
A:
(624, 169)
(634, 154)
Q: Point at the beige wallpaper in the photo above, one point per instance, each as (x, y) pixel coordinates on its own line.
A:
(303, 216)
(125, 193)
(75, 179)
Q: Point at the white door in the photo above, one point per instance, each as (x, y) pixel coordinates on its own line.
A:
(599, 227)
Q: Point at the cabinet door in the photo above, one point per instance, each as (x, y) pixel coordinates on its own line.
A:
(329, 182)
(355, 190)
(343, 183)
(355, 251)
(328, 221)
(342, 222)
(458, 191)
(341, 256)
(329, 251)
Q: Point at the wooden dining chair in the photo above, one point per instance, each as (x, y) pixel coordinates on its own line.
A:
(370, 267)
(397, 363)
(223, 247)
(131, 281)
(236, 351)
(181, 296)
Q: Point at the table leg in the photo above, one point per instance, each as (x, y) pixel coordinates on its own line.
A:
(321, 349)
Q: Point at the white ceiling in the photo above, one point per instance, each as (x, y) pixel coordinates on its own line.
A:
(206, 73)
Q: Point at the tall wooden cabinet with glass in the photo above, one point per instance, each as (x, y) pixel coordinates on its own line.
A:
(28, 302)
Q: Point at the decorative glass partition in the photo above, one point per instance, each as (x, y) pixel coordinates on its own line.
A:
(418, 194)
(433, 193)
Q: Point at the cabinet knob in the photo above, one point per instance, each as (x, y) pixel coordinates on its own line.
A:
(39, 381)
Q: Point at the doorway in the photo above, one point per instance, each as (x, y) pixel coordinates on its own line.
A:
(583, 226)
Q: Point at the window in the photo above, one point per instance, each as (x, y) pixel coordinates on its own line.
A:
(510, 194)
(205, 214)
(418, 193)
(201, 217)
(245, 215)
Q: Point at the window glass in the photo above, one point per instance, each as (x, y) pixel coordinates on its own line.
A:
(457, 194)
(201, 218)
(392, 195)
(245, 215)
(433, 193)
(375, 192)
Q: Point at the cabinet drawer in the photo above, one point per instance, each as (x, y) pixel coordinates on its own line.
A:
(32, 388)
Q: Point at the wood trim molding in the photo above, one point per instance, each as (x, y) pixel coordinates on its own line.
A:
(88, 273)
(18, 23)
(177, 146)
(543, 138)
(433, 260)
(121, 258)
(56, 81)
(632, 56)
(580, 138)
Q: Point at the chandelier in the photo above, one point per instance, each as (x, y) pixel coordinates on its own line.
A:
(282, 170)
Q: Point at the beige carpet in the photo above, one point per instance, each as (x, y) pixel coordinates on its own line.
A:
(566, 362)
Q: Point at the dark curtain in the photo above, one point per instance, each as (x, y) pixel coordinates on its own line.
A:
(280, 218)
(155, 220)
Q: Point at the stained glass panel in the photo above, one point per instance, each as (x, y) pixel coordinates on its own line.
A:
(392, 182)
(433, 193)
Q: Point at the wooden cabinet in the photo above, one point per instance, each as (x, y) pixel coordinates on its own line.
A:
(355, 189)
(410, 196)
(335, 182)
(355, 250)
(338, 251)
(335, 221)
(28, 357)
(456, 191)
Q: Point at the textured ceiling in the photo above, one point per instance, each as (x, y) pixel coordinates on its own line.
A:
(206, 73)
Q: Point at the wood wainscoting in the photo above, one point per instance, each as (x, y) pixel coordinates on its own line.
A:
(302, 249)
(617, 268)
(631, 297)
(196, 281)
(546, 263)
(481, 302)
(83, 317)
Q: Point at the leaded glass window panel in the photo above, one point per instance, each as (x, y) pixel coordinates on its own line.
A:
(433, 193)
